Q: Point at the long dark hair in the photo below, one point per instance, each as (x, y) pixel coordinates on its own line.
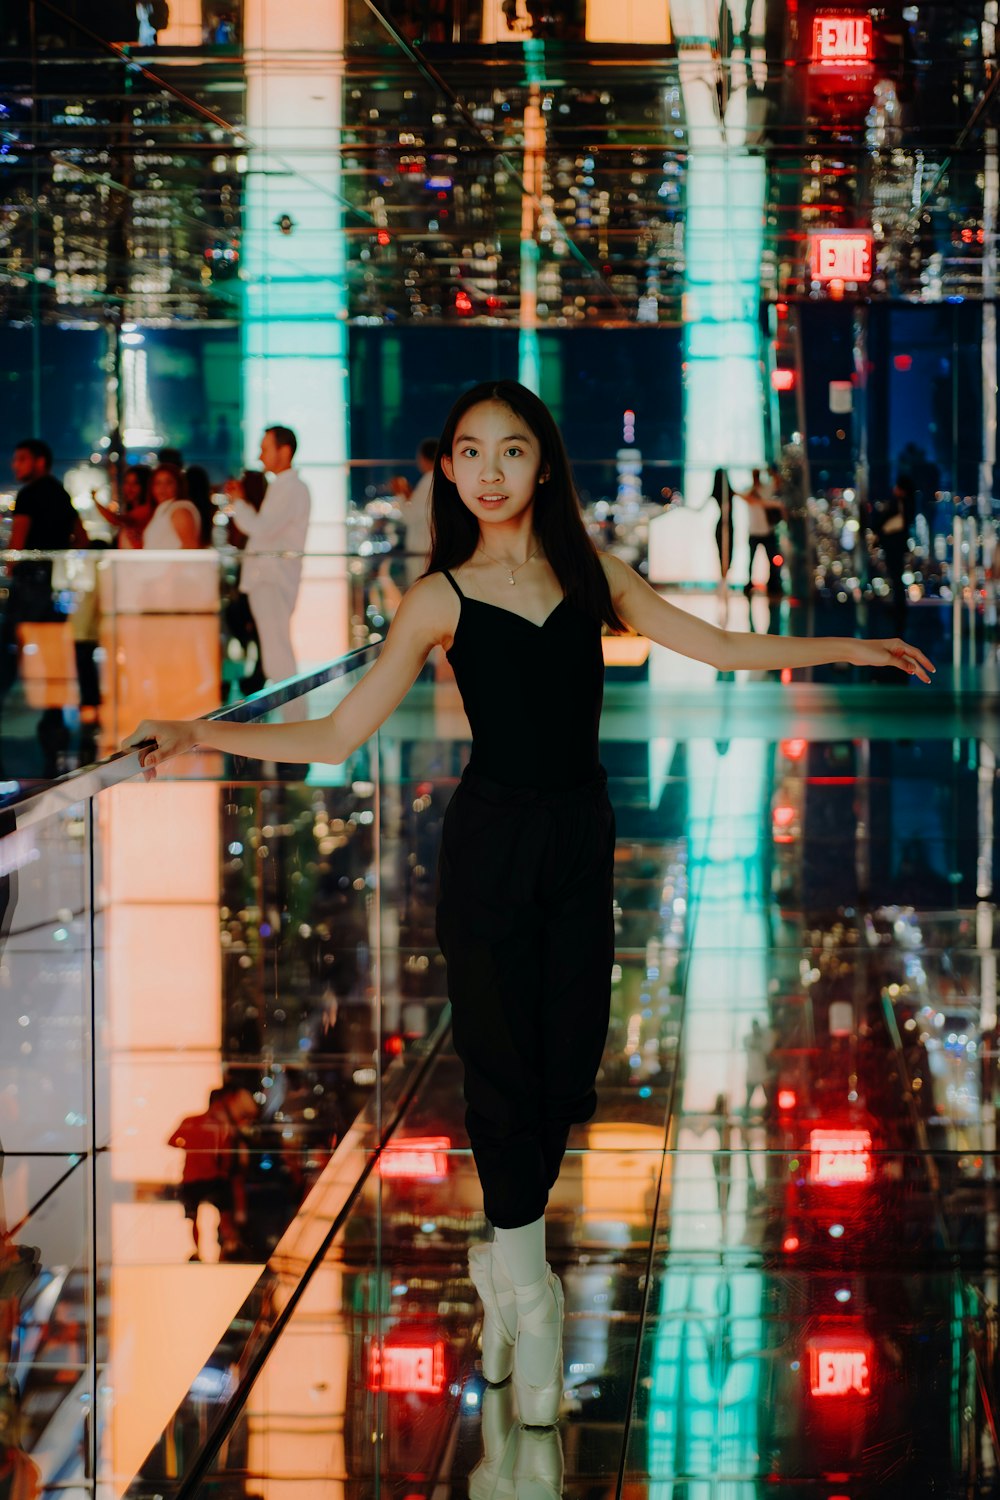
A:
(558, 519)
(199, 492)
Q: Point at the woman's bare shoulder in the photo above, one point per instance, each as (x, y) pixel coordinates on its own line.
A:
(432, 608)
(617, 572)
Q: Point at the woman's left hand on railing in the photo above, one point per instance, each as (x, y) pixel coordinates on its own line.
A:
(157, 739)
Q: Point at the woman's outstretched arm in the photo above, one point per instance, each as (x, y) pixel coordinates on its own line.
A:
(417, 627)
(641, 606)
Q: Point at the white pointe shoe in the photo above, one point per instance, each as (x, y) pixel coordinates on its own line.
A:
(538, 1405)
(538, 1467)
(496, 1292)
(492, 1477)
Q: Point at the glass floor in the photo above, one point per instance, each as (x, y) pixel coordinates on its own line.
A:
(224, 1014)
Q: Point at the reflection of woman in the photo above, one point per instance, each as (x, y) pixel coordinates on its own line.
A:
(175, 521)
(722, 494)
(134, 510)
(524, 910)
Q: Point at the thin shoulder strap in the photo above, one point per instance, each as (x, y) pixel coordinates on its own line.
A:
(454, 585)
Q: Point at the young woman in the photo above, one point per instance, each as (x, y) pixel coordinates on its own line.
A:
(516, 593)
(175, 521)
(134, 510)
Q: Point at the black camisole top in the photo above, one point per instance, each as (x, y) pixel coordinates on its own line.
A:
(532, 693)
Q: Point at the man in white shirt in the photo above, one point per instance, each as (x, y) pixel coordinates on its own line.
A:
(271, 583)
(418, 513)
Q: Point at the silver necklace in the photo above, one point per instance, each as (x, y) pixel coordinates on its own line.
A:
(510, 570)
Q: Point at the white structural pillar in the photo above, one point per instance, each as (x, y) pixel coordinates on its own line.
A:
(295, 356)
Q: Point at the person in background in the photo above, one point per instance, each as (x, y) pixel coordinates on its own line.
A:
(722, 494)
(199, 491)
(891, 525)
(134, 510)
(175, 521)
(271, 583)
(214, 1165)
(239, 618)
(417, 513)
(764, 512)
(45, 520)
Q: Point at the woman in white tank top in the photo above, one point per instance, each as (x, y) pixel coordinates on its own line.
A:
(175, 521)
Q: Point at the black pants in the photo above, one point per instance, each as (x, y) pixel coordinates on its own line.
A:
(769, 541)
(525, 923)
(895, 550)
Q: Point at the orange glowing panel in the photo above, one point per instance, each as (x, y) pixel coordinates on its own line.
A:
(782, 380)
(794, 749)
(420, 1156)
(398, 1366)
(842, 39)
(839, 1365)
(838, 1156)
(841, 255)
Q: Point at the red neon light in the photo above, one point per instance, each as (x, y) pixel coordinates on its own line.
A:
(783, 816)
(903, 361)
(842, 39)
(787, 1098)
(782, 380)
(786, 675)
(838, 1156)
(841, 255)
(407, 1367)
(790, 1243)
(794, 749)
(420, 1156)
(463, 302)
(778, 559)
(839, 1366)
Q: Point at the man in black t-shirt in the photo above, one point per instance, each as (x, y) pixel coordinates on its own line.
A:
(45, 520)
(44, 517)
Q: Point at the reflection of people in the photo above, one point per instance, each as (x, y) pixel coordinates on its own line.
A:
(758, 1043)
(765, 509)
(517, 595)
(890, 518)
(213, 1171)
(272, 583)
(723, 496)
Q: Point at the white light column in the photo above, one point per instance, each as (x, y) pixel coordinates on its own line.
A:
(723, 387)
(295, 370)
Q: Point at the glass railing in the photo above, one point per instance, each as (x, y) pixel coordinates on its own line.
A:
(93, 642)
(208, 1000)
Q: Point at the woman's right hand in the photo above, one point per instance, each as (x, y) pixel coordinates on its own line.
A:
(160, 738)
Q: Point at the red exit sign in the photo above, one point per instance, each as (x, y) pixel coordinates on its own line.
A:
(839, 1367)
(840, 39)
(841, 255)
(837, 1156)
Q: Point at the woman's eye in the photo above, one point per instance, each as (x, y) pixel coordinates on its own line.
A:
(515, 451)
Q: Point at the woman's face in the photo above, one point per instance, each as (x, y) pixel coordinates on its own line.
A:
(495, 463)
(131, 489)
(164, 486)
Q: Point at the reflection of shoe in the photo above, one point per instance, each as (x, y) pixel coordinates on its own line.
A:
(538, 1468)
(492, 1478)
(500, 1311)
(538, 1405)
